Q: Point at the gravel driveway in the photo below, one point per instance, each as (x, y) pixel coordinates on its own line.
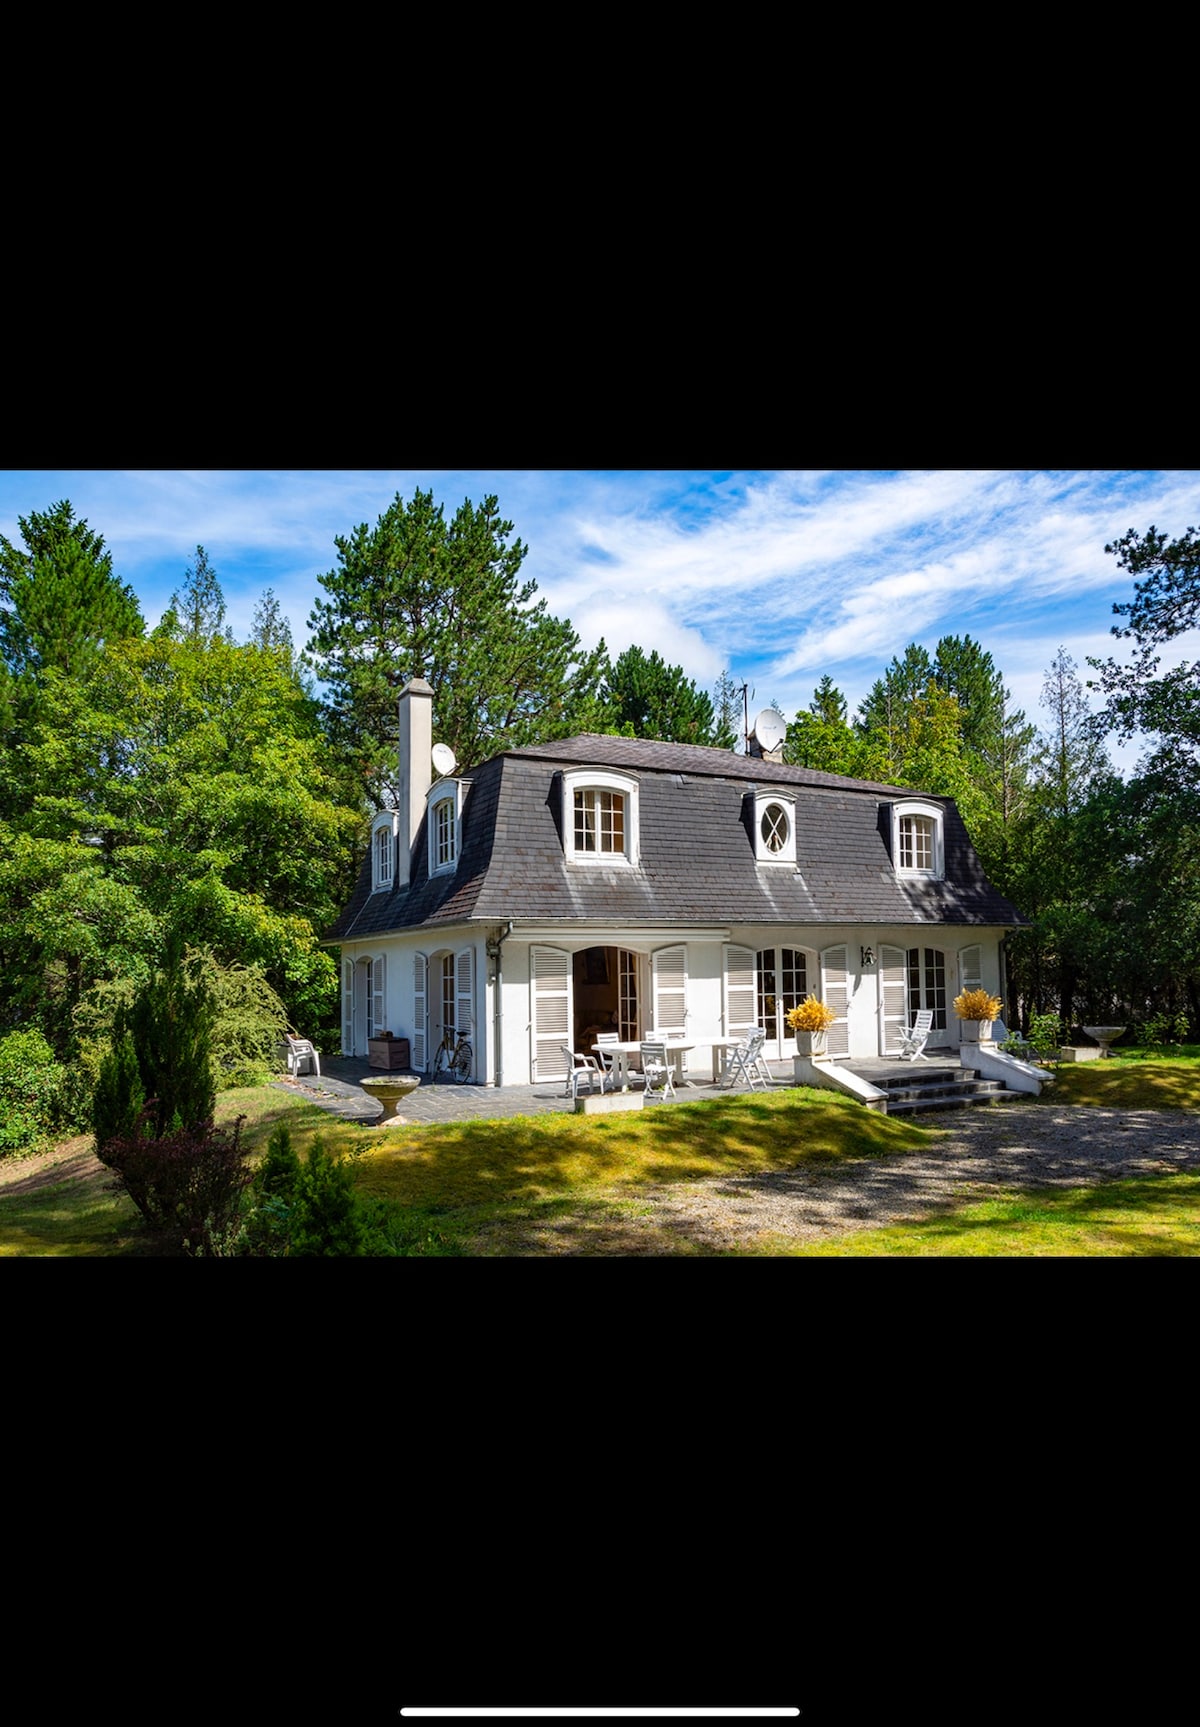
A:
(1007, 1145)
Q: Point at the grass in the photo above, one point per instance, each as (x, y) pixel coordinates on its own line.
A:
(568, 1184)
(1128, 1081)
(1142, 1216)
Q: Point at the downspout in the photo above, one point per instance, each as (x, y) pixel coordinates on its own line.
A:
(494, 944)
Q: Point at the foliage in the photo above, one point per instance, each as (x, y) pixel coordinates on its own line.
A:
(200, 609)
(417, 595)
(728, 714)
(119, 1097)
(1163, 1031)
(977, 1004)
(811, 1015)
(657, 701)
(1140, 697)
(60, 602)
(32, 1091)
(187, 1182)
(249, 1019)
(1046, 1035)
(170, 1022)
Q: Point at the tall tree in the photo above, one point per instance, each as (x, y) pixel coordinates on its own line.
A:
(200, 604)
(1166, 603)
(59, 599)
(727, 712)
(658, 700)
(269, 627)
(417, 595)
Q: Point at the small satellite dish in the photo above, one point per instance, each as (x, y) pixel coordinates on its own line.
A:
(770, 728)
(444, 758)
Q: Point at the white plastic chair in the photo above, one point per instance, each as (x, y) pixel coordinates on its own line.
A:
(656, 1064)
(914, 1037)
(299, 1050)
(606, 1055)
(581, 1067)
(748, 1064)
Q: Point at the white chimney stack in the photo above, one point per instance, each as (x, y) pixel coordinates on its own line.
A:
(416, 774)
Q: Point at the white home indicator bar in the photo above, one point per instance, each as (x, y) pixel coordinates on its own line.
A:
(599, 1714)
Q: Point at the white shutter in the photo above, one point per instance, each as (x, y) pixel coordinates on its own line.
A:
(464, 994)
(377, 997)
(970, 972)
(347, 1007)
(420, 1033)
(741, 992)
(893, 997)
(550, 1010)
(668, 991)
(835, 992)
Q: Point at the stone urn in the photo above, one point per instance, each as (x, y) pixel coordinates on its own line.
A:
(1104, 1035)
(812, 1043)
(389, 1088)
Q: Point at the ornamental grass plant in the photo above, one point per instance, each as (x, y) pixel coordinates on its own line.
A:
(811, 1015)
(977, 1004)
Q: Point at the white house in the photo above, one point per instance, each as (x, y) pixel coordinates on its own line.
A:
(610, 883)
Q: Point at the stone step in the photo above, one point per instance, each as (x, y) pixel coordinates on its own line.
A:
(955, 1096)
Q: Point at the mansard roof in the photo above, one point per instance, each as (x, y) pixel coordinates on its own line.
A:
(696, 861)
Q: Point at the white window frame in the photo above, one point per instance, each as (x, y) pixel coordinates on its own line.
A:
(786, 854)
(454, 793)
(383, 852)
(595, 780)
(935, 815)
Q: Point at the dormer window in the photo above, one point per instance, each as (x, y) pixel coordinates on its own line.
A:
(917, 842)
(600, 817)
(445, 805)
(383, 851)
(774, 828)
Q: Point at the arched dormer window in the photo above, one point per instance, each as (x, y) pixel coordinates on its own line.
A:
(600, 817)
(918, 845)
(383, 851)
(774, 828)
(445, 806)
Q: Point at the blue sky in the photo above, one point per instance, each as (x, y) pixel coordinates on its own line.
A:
(779, 576)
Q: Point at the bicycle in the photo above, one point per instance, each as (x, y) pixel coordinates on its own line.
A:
(456, 1057)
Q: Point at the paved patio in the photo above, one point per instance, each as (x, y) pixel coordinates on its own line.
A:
(338, 1090)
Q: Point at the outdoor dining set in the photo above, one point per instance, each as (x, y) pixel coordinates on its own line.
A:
(658, 1061)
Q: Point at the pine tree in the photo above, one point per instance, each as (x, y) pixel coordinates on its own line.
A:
(59, 599)
(658, 700)
(419, 596)
(200, 604)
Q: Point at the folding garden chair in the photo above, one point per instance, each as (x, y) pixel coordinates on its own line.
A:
(747, 1064)
(656, 1065)
(914, 1037)
(606, 1056)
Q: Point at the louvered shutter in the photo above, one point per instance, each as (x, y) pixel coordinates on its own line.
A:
(835, 992)
(550, 1010)
(377, 1015)
(347, 1007)
(420, 1032)
(668, 978)
(741, 1011)
(970, 972)
(464, 995)
(893, 997)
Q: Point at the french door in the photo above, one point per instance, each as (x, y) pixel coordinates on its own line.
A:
(783, 980)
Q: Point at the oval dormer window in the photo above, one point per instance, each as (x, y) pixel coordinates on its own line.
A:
(775, 829)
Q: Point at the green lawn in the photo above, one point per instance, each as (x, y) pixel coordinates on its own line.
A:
(563, 1183)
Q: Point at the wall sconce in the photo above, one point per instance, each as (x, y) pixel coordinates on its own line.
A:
(866, 957)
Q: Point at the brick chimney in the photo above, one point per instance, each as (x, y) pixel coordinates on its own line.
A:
(416, 771)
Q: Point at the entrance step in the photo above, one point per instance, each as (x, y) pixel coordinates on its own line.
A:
(912, 1093)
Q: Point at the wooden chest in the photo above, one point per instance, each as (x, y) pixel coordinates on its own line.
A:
(388, 1053)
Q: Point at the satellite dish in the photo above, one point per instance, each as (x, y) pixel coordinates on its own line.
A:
(444, 758)
(770, 728)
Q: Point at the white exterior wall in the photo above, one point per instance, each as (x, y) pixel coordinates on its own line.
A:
(705, 995)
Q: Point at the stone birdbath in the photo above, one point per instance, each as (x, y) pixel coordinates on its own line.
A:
(389, 1088)
(1104, 1035)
